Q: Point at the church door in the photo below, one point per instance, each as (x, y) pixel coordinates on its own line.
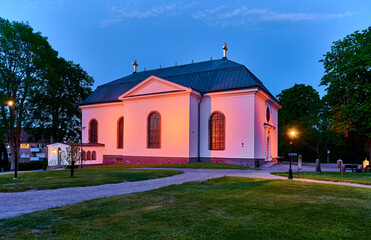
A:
(268, 158)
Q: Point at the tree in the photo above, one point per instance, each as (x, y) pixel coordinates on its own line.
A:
(347, 77)
(54, 106)
(301, 110)
(22, 55)
(71, 155)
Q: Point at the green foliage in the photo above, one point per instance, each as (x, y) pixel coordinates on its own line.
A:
(85, 177)
(22, 66)
(54, 106)
(45, 88)
(301, 111)
(33, 165)
(347, 77)
(349, 177)
(223, 208)
(72, 153)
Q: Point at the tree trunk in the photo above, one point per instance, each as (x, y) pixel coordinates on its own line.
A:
(12, 151)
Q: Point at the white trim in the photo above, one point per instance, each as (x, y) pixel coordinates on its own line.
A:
(100, 104)
(241, 91)
(148, 80)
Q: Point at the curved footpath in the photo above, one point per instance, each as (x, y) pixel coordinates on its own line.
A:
(14, 204)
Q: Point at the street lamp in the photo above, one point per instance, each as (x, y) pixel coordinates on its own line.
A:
(11, 104)
(292, 135)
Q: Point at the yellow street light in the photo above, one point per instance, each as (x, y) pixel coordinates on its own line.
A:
(10, 103)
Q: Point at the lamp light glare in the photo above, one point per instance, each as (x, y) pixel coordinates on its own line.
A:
(10, 103)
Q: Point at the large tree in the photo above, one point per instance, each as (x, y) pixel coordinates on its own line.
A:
(22, 54)
(45, 89)
(347, 77)
(301, 110)
(54, 106)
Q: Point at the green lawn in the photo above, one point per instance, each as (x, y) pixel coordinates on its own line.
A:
(184, 165)
(83, 177)
(350, 177)
(224, 208)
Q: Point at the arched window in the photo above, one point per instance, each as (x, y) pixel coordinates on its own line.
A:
(154, 130)
(83, 155)
(88, 157)
(93, 155)
(217, 131)
(93, 131)
(120, 133)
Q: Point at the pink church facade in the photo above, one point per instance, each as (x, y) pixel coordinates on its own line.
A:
(216, 111)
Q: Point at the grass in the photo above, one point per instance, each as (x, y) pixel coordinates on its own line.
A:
(183, 165)
(350, 177)
(223, 208)
(82, 177)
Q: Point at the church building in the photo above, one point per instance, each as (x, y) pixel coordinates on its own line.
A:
(212, 111)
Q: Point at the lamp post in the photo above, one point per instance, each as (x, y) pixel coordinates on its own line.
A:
(11, 104)
(292, 134)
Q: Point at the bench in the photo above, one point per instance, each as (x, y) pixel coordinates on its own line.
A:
(353, 167)
(368, 168)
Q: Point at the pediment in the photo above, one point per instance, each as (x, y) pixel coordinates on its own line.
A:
(154, 85)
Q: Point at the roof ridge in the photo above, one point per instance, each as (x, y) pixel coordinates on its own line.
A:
(210, 70)
(191, 64)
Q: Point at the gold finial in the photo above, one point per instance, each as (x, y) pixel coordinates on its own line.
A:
(135, 64)
(225, 50)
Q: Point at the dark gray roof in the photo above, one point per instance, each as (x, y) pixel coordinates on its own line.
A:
(208, 76)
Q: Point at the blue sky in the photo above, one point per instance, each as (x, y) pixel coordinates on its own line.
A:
(281, 42)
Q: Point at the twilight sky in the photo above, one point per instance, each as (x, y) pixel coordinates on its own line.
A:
(281, 42)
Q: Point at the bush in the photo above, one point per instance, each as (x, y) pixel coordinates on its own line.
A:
(34, 165)
(44, 164)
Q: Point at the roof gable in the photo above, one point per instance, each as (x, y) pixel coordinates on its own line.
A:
(153, 85)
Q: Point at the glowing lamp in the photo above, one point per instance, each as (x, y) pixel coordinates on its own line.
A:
(10, 103)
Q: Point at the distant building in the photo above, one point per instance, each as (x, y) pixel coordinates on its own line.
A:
(212, 111)
(30, 151)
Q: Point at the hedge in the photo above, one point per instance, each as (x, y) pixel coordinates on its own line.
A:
(33, 165)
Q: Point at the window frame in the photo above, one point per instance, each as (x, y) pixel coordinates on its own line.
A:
(159, 130)
(90, 131)
(210, 137)
(120, 146)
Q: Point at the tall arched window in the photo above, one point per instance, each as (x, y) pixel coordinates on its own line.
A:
(93, 131)
(217, 131)
(83, 155)
(120, 133)
(88, 157)
(93, 155)
(154, 130)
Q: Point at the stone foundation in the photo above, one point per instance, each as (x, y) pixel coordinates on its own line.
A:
(246, 162)
(119, 159)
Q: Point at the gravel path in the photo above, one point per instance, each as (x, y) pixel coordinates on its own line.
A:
(14, 204)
